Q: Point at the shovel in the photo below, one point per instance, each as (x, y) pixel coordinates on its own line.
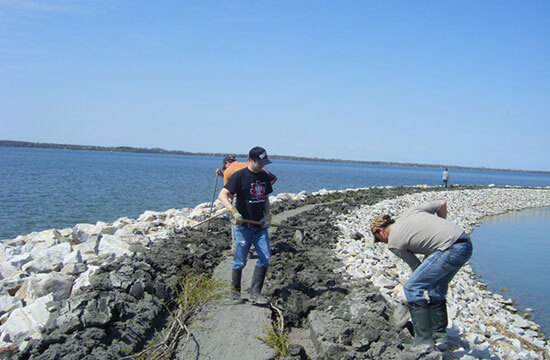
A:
(301, 230)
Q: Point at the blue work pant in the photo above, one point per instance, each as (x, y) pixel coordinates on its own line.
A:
(436, 271)
(244, 238)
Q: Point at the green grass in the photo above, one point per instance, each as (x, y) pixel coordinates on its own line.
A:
(276, 341)
(195, 290)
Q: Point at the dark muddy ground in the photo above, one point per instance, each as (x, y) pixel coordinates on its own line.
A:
(128, 299)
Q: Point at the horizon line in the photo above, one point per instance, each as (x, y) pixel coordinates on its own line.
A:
(131, 149)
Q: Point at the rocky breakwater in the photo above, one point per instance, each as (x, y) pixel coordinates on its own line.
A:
(97, 291)
(102, 291)
(484, 325)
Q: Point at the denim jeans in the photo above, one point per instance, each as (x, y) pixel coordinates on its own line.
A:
(436, 271)
(244, 238)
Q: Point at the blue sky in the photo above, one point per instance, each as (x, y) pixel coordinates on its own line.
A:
(438, 82)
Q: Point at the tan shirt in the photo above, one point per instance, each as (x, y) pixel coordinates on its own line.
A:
(421, 231)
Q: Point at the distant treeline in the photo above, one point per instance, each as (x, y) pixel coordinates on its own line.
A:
(128, 149)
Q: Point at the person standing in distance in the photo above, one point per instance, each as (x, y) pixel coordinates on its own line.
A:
(445, 177)
(425, 230)
(252, 187)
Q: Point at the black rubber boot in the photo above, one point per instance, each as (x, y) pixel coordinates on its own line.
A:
(257, 284)
(236, 284)
(422, 324)
(439, 321)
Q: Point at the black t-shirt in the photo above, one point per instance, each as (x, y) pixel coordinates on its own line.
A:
(252, 190)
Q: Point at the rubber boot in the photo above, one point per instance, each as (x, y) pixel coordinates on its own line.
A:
(236, 283)
(257, 284)
(439, 322)
(422, 325)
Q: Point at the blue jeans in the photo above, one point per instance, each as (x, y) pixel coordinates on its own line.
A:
(436, 271)
(244, 238)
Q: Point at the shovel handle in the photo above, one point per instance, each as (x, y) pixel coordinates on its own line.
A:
(276, 225)
(210, 218)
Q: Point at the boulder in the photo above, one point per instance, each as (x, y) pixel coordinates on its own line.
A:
(72, 258)
(73, 269)
(27, 321)
(121, 244)
(19, 260)
(150, 216)
(113, 244)
(14, 282)
(47, 260)
(88, 249)
(81, 232)
(39, 285)
(9, 303)
(6, 269)
(83, 280)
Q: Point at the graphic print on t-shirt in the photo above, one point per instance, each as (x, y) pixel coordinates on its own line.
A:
(257, 192)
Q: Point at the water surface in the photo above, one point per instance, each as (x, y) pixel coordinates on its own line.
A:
(511, 253)
(52, 188)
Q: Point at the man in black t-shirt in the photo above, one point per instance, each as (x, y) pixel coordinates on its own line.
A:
(252, 187)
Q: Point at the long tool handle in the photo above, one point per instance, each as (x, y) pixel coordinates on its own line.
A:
(211, 204)
(210, 218)
(276, 225)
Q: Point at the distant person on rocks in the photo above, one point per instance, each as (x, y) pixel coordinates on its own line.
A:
(252, 187)
(445, 177)
(425, 230)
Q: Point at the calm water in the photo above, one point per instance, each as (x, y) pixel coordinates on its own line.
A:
(45, 188)
(511, 252)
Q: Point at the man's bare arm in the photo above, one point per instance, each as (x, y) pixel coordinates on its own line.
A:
(225, 198)
(442, 212)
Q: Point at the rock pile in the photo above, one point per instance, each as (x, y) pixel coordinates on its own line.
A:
(100, 273)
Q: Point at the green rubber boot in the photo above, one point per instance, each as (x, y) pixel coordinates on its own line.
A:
(439, 324)
(422, 325)
(439, 320)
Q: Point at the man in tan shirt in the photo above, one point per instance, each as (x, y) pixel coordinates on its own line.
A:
(425, 230)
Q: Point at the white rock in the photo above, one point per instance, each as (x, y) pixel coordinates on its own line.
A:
(28, 320)
(73, 257)
(39, 285)
(9, 303)
(19, 260)
(73, 269)
(150, 216)
(83, 280)
(6, 269)
(113, 244)
(88, 250)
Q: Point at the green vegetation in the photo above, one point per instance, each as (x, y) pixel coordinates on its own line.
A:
(196, 290)
(193, 292)
(276, 341)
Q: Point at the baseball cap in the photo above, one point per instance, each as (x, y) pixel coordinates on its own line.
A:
(259, 154)
(230, 158)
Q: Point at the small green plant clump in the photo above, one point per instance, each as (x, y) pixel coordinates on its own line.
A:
(196, 290)
(193, 292)
(276, 341)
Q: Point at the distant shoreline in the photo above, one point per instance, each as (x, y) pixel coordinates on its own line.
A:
(128, 149)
